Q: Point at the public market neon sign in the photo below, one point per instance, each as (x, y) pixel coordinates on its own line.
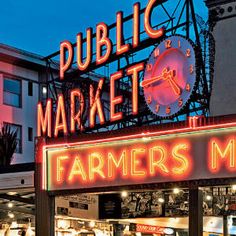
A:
(162, 156)
(50, 126)
(103, 40)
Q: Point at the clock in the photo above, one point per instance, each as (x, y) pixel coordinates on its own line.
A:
(170, 76)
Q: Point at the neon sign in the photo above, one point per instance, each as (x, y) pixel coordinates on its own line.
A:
(45, 123)
(151, 229)
(51, 126)
(104, 45)
(184, 154)
(169, 78)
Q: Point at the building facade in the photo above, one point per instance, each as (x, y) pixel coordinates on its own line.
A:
(20, 75)
(171, 175)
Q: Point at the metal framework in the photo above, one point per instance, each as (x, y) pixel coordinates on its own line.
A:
(182, 20)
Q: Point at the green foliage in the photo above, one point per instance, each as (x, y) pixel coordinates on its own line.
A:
(8, 143)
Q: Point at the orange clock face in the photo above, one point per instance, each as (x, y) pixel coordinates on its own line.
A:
(170, 76)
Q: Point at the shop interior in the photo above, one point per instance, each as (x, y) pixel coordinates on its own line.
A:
(17, 212)
(144, 213)
(136, 213)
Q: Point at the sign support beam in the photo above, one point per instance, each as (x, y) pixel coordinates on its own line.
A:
(45, 204)
(195, 212)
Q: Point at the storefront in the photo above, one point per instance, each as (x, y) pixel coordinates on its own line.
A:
(135, 152)
(146, 181)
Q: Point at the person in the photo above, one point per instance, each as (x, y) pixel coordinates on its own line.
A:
(23, 233)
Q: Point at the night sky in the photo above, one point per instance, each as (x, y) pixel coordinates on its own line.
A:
(39, 26)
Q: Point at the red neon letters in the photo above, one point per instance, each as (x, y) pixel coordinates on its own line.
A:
(61, 124)
(88, 165)
(84, 65)
(104, 45)
(222, 152)
(147, 159)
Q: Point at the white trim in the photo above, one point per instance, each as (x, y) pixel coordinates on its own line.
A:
(14, 180)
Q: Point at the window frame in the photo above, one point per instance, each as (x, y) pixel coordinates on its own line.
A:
(10, 92)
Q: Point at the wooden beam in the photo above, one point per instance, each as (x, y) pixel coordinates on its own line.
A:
(17, 198)
(195, 212)
(17, 209)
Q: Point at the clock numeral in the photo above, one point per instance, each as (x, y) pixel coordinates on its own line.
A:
(180, 102)
(179, 43)
(191, 69)
(168, 43)
(188, 53)
(168, 110)
(149, 67)
(157, 108)
(188, 88)
(157, 52)
(149, 99)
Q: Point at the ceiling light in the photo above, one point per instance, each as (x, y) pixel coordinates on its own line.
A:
(11, 193)
(208, 197)
(10, 204)
(234, 187)
(11, 215)
(161, 200)
(176, 190)
(44, 90)
(124, 194)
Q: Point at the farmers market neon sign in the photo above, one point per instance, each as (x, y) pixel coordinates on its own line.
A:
(162, 156)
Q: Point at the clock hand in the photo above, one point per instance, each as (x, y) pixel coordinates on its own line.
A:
(147, 82)
(166, 75)
(169, 75)
(175, 86)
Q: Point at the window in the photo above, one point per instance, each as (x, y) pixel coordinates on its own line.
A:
(17, 128)
(30, 134)
(12, 92)
(30, 88)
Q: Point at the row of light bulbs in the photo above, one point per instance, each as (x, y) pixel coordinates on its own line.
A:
(125, 194)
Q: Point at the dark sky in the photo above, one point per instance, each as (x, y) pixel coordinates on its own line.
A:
(40, 25)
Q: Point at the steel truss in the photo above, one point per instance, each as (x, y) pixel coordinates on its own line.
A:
(183, 20)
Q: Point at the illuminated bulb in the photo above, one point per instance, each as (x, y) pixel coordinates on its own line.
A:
(124, 194)
(11, 193)
(91, 224)
(44, 90)
(161, 200)
(234, 187)
(10, 204)
(208, 197)
(176, 190)
(11, 215)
